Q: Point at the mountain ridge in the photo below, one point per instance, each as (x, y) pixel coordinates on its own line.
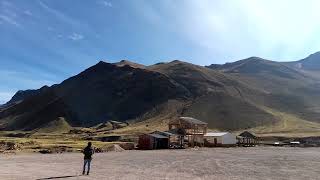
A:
(232, 96)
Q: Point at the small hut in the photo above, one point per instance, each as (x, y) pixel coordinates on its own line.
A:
(247, 139)
(191, 128)
(220, 139)
(153, 141)
(175, 138)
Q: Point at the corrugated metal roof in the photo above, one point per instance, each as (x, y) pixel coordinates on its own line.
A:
(168, 133)
(177, 131)
(164, 133)
(216, 134)
(193, 120)
(158, 136)
(247, 134)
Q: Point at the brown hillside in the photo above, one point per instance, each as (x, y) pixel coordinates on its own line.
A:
(287, 89)
(249, 94)
(101, 93)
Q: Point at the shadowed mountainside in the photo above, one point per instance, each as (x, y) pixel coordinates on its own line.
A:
(102, 92)
(23, 94)
(246, 94)
(218, 98)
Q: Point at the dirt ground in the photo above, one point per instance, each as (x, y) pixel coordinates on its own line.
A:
(214, 163)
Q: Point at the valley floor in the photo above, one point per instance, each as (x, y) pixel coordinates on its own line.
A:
(198, 164)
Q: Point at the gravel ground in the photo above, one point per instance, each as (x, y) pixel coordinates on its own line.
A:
(205, 163)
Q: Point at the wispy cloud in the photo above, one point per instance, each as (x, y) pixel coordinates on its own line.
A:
(27, 12)
(8, 14)
(58, 14)
(76, 36)
(5, 3)
(106, 3)
(9, 20)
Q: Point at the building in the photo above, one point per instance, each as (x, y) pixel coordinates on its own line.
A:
(247, 139)
(192, 130)
(220, 139)
(174, 138)
(153, 141)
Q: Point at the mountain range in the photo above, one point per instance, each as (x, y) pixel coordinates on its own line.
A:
(253, 93)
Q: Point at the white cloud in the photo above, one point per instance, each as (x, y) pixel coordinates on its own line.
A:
(76, 36)
(59, 14)
(9, 20)
(106, 3)
(8, 14)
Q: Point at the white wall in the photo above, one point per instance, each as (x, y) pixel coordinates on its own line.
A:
(229, 139)
(224, 139)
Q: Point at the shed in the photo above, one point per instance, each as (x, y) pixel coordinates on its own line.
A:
(247, 139)
(153, 141)
(219, 139)
(175, 137)
(248, 134)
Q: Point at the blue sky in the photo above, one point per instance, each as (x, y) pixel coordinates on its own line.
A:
(43, 42)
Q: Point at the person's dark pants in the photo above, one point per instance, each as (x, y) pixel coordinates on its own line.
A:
(86, 162)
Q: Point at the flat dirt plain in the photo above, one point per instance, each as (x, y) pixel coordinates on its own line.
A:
(196, 164)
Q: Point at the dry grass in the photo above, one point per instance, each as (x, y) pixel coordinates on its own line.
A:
(52, 141)
(288, 126)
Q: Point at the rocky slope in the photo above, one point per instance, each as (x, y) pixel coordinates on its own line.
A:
(246, 94)
(102, 92)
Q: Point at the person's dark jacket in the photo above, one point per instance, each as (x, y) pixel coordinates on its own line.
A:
(88, 151)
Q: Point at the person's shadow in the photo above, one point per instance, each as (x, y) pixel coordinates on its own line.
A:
(58, 177)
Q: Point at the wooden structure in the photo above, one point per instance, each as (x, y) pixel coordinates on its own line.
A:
(175, 138)
(220, 139)
(191, 129)
(153, 141)
(247, 139)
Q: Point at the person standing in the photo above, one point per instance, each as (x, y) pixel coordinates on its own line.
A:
(88, 152)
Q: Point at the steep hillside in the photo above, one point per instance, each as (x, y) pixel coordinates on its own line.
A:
(288, 89)
(121, 92)
(310, 63)
(102, 92)
(35, 112)
(199, 80)
(225, 112)
(218, 98)
(256, 65)
(21, 95)
(248, 94)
